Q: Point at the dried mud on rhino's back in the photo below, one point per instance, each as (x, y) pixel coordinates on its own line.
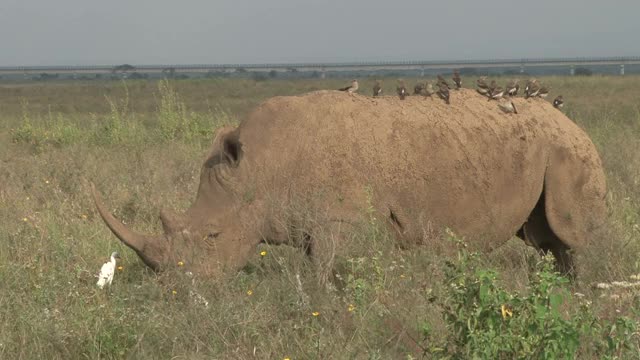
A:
(471, 121)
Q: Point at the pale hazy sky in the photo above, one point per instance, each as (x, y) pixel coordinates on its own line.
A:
(74, 32)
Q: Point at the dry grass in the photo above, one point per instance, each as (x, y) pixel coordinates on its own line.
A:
(144, 145)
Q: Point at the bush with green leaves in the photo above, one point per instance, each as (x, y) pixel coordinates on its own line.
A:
(486, 321)
(177, 122)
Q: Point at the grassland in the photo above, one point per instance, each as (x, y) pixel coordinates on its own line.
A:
(143, 143)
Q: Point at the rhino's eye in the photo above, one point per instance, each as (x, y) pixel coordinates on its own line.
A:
(212, 235)
(210, 238)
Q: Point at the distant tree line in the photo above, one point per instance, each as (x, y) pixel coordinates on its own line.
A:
(127, 71)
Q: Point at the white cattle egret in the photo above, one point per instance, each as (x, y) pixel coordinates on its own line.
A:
(107, 271)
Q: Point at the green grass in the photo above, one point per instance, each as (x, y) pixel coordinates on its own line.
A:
(143, 144)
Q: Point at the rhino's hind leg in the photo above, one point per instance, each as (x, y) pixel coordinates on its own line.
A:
(537, 233)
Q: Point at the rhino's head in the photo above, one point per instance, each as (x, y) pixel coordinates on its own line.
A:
(215, 231)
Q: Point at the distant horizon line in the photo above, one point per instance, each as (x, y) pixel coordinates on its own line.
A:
(284, 65)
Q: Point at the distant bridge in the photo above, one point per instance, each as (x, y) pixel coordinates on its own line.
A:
(324, 67)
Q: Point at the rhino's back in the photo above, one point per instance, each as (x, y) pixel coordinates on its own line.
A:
(466, 165)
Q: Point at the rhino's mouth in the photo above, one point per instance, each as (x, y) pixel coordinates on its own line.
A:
(151, 249)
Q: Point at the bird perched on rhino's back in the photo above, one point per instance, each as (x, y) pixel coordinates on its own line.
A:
(512, 88)
(377, 88)
(402, 89)
(442, 81)
(558, 102)
(457, 81)
(443, 92)
(495, 91)
(543, 92)
(483, 88)
(531, 88)
(106, 272)
(428, 90)
(507, 106)
(351, 88)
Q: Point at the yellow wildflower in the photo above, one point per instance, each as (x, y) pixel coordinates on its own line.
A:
(506, 311)
(263, 253)
(174, 292)
(287, 358)
(351, 307)
(315, 313)
(249, 292)
(46, 182)
(180, 263)
(120, 268)
(25, 219)
(402, 276)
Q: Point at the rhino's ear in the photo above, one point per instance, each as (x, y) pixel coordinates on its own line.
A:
(227, 148)
(232, 148)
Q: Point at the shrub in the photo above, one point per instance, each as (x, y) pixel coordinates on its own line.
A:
(177, 123)
(59, 131)
(485, 321)
(113, 130)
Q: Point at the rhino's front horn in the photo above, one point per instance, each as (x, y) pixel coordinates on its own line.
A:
(150, 249)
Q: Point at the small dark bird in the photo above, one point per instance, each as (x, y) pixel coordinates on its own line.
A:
(496, 93)
(443, 92)
(531, 89)
(351, 88)
(377, 89)
(492, 85)
(441, 80)
(512, 88)
(483, 88)
(528, 84)
(418, 89)
(483, 91)
(544, 92)
(402, 90)
(558, 102)
(457, 80)
(507, 106)
(482, 82)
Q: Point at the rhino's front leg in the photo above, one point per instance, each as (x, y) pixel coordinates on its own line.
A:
(325, 243)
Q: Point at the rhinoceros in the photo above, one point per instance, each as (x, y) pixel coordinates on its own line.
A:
(413, 164)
